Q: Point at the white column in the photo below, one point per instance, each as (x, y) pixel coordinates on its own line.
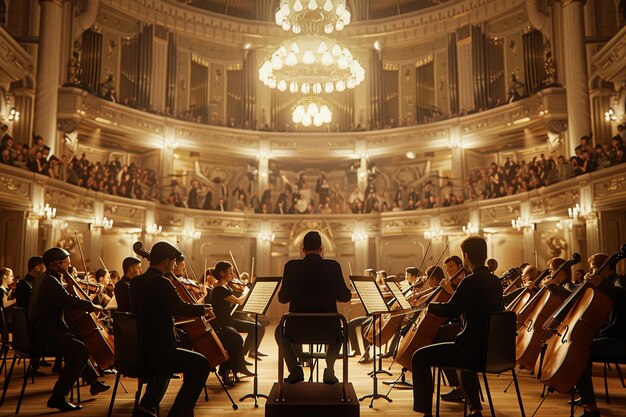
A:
(264, 239)
(575, 68)
(264, 168)
(48, 71)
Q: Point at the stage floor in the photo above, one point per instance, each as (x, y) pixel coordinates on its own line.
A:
(505, 403)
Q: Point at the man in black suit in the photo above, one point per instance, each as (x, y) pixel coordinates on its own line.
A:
(131, 268)
(49, 332)
(476, 298)
(312, 285)
(155, 302)
(24, 287)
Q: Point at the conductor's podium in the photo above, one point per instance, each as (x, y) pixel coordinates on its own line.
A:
(312, 399)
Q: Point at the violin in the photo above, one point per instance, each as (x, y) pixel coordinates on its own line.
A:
(575, 324)
(235, 284)
(203, 338)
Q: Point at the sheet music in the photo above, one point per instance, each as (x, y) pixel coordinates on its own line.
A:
(112, 304)
(404, 304)
(262, 293)
(370, 295)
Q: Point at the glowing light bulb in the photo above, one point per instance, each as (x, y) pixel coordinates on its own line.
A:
(308, 58)
(312, 5)
(328, 6)
(297, 6)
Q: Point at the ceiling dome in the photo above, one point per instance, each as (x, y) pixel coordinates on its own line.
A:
(263, 10)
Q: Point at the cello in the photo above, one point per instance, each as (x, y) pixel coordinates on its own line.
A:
(203, 338)
(426, 326)
(574, 325)
(533, 316)
(525, 296)
(87, 326)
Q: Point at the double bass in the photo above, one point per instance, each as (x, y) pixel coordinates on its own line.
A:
(533, 316)
(574, 325)
(424, 329)
(203, 338)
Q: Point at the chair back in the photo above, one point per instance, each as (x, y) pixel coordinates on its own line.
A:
(500, 348)
(4, 329)
(21, 342)
(314, 329)
(128, 354)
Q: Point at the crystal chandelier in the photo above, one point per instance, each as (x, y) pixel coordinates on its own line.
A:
(312, 16)
(311, 111)
(311, 64)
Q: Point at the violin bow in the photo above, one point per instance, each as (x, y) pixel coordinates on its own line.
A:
(180, 247)
(80, 249)
(232, 258)
(102, 262)
(252, 271)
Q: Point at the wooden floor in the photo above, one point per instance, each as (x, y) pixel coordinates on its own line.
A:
(402, 405)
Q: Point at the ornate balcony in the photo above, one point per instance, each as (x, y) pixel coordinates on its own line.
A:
(16, 63)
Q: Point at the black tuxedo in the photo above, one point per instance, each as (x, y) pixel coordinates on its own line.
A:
(49, 332)
(312, 285)
(155, 302)
(122, 294)
(23, 291)
(475, 299)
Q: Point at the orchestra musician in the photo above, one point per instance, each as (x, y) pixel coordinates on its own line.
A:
(131, 268)
(24, 287)
(611, 341)
(100, 296)
(227, 326)
(155, 302)
(564, 277)
(7, 277)
(453, 264)
(529, 275)
(312, 285)
(49, 332)
(468, 346)
(223, 294)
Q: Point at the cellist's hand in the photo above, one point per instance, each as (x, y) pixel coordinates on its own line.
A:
(208, 311)
(593, 279)
(97, 308)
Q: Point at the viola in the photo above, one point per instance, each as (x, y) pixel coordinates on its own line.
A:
(203, 338)
(533, 316)
(574, 325)
(426, 325)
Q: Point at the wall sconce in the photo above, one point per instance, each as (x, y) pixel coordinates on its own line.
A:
(359, 236)
(154, 229)
(268, 237)
(433, 234)
(610, 116)
(14, 115)
(192, 234)
(171, 143)
(519, 224)
(49, 212)
(104, 223)
(574, 212)
(454, 143)
(565, 224)
(470, 229)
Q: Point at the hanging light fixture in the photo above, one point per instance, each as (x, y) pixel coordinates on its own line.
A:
(312, 16)
(311, 110)
(311, 64)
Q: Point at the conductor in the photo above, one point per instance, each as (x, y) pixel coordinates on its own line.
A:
(312, 285)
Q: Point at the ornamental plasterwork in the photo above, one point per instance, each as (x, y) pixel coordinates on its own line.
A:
(418, 222)
(62, 199)
(610, 60)
(86, 204)
(566, 198)
(456, 219)
(305, 225)
(499, 213)
(116, 212)
(610, 187)
(14, 61)
(15, 187)
(170, 219)
(225, 29)
(537, 206)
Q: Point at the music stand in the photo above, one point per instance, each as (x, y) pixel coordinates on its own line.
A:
(374, 305)
(405, 305)
(258, 302)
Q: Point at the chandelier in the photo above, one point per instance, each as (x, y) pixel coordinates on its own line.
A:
(311, 64)
(312, 16)
(311, 111)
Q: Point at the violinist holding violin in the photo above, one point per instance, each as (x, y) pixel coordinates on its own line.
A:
(50, 334)
(223, 299)
(155, 302)
(6, 287)
(611, 341)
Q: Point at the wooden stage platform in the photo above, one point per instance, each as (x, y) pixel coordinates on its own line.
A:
(402, 405)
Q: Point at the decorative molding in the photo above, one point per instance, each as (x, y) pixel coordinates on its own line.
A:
(15, 62)
(147, 131)
(14, 187)
(610, 61)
